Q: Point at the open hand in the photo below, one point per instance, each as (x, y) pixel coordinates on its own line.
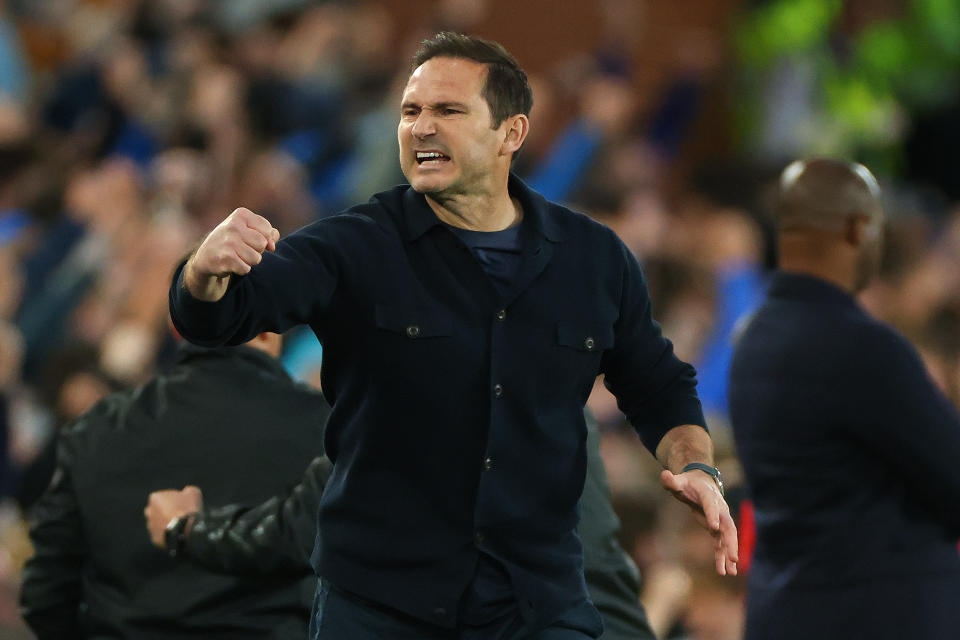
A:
(699, 491)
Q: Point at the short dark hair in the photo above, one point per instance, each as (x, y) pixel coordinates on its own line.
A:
(505, 89)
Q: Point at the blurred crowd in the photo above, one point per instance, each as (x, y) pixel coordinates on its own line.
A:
(128, 129)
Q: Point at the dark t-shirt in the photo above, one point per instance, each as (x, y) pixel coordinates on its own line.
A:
(497, 251)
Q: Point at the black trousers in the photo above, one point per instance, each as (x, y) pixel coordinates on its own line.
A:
(338, 614)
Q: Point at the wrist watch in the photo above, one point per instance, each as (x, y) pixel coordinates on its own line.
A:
(175, 534)
(713, 472)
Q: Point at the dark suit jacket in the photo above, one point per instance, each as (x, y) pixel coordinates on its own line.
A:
(228, 420)
(850, 454)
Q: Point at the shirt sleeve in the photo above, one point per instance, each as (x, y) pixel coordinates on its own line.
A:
(292, 285)
(907, 421)
(655, 390)
(276, 536)
(52, 588)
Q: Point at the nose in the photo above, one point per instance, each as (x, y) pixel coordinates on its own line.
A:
(424, 125)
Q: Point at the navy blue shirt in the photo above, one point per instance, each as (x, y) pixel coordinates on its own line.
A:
(457, 424)
(850, 453)
(498, 252)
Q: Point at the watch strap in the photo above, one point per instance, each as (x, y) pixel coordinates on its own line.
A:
(175, 535)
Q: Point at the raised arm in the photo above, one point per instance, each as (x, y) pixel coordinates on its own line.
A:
(242, 281)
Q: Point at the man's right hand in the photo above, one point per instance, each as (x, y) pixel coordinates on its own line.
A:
(235, 246)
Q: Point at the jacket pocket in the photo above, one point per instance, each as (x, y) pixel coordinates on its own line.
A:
(582, 337)
(414, 323)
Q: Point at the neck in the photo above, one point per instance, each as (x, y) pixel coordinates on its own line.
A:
(477, 212)
(820, 258)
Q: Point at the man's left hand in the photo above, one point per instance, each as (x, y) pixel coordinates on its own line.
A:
(164, 506)
(700, 492)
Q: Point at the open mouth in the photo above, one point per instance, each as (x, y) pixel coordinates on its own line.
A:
(431, 158)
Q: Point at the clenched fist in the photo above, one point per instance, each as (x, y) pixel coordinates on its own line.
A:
(164, 506)
(235, 246)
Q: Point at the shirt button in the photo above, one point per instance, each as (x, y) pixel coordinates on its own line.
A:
(413, 331)
(589, 344)
(439, 612)
(501, 315)
(478, 537)
(497, 390)
(487, 464)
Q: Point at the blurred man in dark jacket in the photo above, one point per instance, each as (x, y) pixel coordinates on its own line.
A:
(277, 536)
(228, 419)
(848, 448)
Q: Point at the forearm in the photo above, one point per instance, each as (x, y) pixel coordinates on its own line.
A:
(276, 536)
(238, 540)
(685, 444)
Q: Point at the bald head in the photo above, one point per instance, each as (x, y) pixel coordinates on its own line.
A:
(831, 222)
(825, 194)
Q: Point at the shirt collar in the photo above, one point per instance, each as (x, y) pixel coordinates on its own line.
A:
(420, 218)
(808, 288)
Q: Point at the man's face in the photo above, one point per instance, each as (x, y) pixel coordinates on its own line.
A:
(447, 145)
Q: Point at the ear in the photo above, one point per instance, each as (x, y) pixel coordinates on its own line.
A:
(855, 232)
(515, 132)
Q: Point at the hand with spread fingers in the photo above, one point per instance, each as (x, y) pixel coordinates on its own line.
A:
(701, 492)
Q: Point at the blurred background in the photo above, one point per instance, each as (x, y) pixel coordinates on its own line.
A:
(129, 128)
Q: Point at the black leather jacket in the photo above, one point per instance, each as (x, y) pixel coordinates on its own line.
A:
(274, 537)
(229, 420)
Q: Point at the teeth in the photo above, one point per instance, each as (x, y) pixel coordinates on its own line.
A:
(428, 156)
